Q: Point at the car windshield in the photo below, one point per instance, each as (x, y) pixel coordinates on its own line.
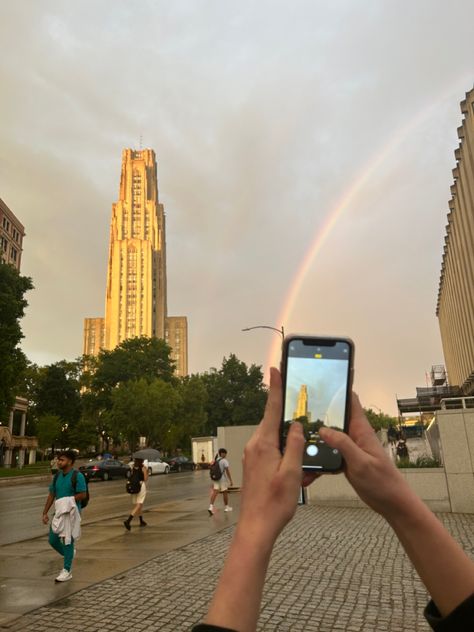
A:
(94, 463)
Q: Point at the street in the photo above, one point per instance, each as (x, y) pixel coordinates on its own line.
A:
(21, 506)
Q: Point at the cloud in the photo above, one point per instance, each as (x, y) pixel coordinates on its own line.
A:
(261, 115)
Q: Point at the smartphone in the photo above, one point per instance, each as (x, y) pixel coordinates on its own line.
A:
(317, 383)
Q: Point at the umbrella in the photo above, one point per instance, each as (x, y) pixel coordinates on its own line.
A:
(150, 454)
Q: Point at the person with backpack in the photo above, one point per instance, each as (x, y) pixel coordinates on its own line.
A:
(136, 486)
(220, 476)
(67, 483)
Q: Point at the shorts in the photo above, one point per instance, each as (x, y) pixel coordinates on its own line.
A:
(220, 486)
(140, 497)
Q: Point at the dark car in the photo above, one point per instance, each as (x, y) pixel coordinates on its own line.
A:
(180, 463)
(104, 469)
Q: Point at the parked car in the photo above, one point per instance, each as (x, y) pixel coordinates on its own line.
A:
(180, 463)
(157, 466)
(104, 469)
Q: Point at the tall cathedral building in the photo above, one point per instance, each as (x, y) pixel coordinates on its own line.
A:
(136, 293)
(302, 404)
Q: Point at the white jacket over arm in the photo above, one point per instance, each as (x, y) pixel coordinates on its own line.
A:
(67, 519)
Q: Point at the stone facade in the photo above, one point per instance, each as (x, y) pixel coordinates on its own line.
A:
(16, 449)
(455, 308)
(94, 336)
(136, 295)
(176, 335)
(12, 232)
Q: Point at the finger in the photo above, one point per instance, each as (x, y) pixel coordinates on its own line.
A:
(293, 458)
(309, 477)
(358, 424)
(342, 442)
(270, 425)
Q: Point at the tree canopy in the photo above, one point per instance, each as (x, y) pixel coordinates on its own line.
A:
(13, 288)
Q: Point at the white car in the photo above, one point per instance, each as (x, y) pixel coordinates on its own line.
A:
(157, 467)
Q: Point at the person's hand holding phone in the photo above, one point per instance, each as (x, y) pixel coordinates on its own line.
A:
(368, 467)
(271, 482)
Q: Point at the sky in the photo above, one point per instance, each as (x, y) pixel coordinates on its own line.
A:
(274, 123)
(326, 388)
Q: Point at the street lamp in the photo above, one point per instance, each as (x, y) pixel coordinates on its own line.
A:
(280, 331)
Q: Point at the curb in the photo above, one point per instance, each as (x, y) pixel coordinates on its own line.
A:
(21, 480)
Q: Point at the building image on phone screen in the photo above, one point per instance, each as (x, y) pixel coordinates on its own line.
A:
(316, 392)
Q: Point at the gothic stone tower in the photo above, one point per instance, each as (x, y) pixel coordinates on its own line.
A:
(302, 404)
(135, 303)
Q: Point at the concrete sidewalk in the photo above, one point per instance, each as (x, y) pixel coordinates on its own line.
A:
(28, 568)
(332, 569)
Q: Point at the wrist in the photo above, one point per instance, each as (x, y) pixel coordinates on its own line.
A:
(404, 510)
(255, 538)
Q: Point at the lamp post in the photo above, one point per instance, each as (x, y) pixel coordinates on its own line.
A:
(280, 331)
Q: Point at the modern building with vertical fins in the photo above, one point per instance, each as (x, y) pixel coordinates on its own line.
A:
(455, 308)
(136, 292)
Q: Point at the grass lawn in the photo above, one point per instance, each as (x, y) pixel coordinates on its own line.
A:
(36, 469)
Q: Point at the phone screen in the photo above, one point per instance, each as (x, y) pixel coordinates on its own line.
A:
(317, 385)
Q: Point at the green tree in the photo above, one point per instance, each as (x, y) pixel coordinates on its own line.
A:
(143, 409)
(236, 394)
(380, 420)
(13, 288)
(132, 360)
(83, 435)
(191, 415)
(49, 430)
(56, 391)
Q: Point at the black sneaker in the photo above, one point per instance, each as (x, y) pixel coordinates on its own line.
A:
(143, 523)
(126, 524)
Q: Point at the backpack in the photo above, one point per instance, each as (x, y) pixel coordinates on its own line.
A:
(215, 471)
(84, 502)
(133, 484)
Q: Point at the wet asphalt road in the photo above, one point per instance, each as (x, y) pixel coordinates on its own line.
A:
(21, 506)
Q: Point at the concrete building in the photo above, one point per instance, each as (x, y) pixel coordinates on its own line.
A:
(176, 335)
(12, 232)
(16, 448)
(455, 308)
(94, 336)
(136, 294)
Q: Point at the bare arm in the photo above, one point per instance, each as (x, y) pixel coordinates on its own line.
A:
(229, 476)
(47, 507)
(145, 473)
(271, 488)
(442, 565)
(80, 496)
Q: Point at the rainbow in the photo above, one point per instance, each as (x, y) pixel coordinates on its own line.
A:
(340, 206)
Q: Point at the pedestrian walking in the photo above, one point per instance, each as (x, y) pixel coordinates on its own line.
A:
(67, 491)
(136, 486)
(54, 465)
(221, 477)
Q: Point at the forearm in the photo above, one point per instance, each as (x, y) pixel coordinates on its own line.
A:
(80, 496)
(444, 568)
(236, 601)
(49, 502)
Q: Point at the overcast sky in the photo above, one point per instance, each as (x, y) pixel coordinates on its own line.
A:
(262, 115)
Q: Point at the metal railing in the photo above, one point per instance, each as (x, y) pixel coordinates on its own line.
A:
(453, 403)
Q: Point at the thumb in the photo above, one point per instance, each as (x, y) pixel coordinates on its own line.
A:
(342, 442)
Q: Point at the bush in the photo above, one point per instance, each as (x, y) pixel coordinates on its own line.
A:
(421, 461)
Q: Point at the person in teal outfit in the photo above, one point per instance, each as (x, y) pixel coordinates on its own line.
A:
(60, 488)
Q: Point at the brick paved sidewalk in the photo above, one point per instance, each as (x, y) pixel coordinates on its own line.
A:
(332, 569)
